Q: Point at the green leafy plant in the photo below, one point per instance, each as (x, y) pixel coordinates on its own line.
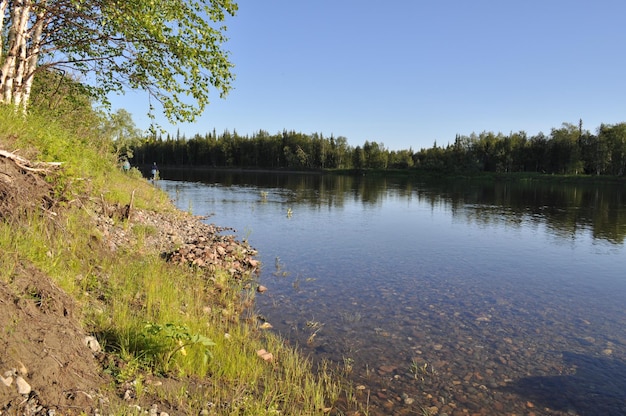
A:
(176, 338)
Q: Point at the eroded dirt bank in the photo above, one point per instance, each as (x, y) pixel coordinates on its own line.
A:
(49, 364)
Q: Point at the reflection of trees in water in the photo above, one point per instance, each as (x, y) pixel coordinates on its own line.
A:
(565, 209)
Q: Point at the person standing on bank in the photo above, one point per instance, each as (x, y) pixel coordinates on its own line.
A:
(155, 171)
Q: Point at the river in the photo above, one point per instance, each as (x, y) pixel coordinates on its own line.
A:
(439, 298)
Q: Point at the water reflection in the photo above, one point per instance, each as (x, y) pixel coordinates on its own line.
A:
(448, 298)
(565, 208)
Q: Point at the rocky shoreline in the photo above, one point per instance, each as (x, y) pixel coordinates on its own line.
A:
(182, 238)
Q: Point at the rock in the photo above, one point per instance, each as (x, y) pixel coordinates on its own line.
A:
(265, 325)
(93, 344)
(261, 289)
(7, 381)
(23, 370)
(22, 386)
(267, 356)
(385, 369)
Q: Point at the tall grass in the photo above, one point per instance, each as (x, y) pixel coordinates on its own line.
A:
(153, 318)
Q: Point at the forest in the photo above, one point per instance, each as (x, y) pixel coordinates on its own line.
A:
(569, 149)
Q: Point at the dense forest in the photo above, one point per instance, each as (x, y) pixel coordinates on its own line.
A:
(569, 149)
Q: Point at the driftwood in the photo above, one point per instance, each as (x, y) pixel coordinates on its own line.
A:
(37, 167)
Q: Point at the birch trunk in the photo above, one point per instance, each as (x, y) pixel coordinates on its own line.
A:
(33, 56)
(20, 68)
(12, 68)
(3, 8)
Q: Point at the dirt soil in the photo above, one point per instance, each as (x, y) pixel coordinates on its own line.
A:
(46, 364)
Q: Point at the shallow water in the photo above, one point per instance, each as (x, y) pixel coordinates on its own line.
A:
(452, 298)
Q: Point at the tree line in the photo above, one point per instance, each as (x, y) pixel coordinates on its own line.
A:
(569, 149)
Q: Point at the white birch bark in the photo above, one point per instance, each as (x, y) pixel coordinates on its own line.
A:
(20, 67)
(7, 64)
(16, 32)
(3, 9)
(11, 72)
(33, 56)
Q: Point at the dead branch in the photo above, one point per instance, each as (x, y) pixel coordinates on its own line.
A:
(27, 164)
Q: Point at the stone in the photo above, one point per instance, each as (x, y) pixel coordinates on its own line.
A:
(22, 386)
(261, 289)
(385, 369)
(267, 356)
(93, 344)
(23, 370)
(7, 381)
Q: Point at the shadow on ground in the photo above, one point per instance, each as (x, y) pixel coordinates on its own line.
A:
(598, 387)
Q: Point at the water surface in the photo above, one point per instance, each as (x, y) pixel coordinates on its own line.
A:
(448, 298)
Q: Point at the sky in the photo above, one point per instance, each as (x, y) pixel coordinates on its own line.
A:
(410, 73)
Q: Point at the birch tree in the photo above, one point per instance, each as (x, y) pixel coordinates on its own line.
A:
(173, 49)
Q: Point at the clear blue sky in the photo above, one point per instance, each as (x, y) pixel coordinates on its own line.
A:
(409, 72)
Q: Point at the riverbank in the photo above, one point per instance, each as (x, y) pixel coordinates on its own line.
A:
(421, 174)
(113, 302)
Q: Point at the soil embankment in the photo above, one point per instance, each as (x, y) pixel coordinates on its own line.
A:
(49, 364)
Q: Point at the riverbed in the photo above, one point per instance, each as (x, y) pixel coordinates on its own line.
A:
(446, 298)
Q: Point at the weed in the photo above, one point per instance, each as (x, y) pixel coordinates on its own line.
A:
(174, 339)
(421, 370)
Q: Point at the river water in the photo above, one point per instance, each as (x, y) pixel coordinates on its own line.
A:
(446, 298)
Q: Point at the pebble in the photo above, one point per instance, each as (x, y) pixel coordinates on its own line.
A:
(93, 344)
(267, 356)
(7, 381)
(22, 386)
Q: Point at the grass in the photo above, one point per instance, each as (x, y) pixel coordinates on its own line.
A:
(154, 319)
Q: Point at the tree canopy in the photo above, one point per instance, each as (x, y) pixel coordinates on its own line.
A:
(173, 49)
(569, 149)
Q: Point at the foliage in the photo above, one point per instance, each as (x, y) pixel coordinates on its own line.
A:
(120, 128)
(567, 150)
(171, 49)
(176, 338)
